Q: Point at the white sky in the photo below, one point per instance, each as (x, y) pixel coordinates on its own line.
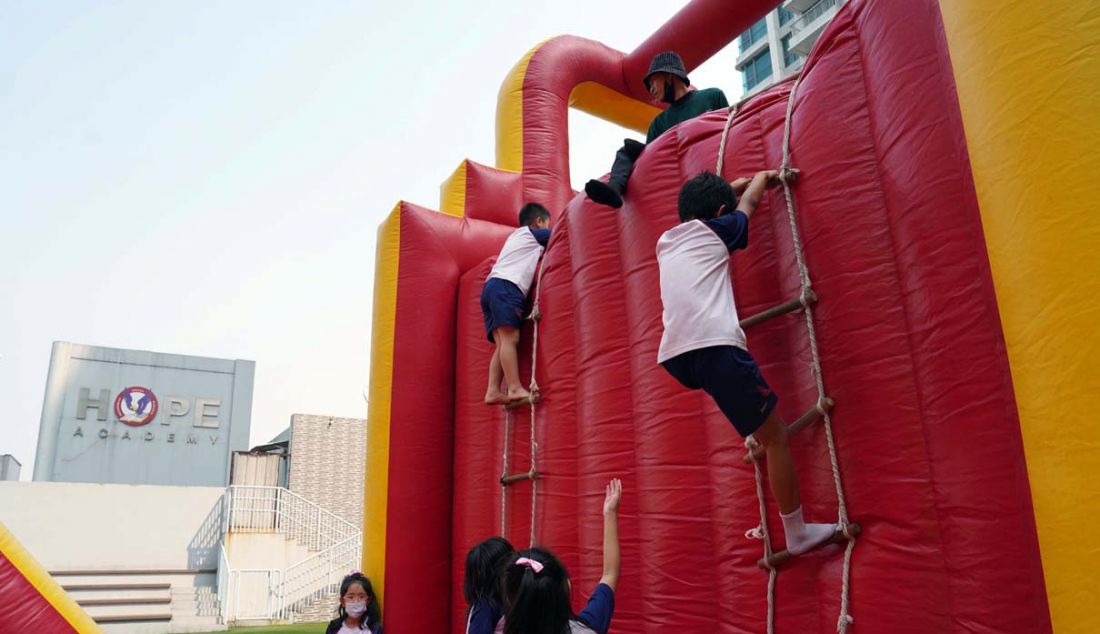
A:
(207, 178)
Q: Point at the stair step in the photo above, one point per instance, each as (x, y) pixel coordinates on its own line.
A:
(83, 572)
(132, 618)
(115, 586)
(123, 601)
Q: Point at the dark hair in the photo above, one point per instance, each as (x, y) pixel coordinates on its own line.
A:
(484, 563)
(536, 602)
(531, 212)
(373, 615)
(702, 197)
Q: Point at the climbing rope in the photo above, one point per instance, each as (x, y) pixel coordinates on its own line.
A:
(535, 316)
(786, 174)
(504, 472)
(761, 532)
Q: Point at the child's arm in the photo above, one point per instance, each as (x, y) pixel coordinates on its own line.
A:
(755, 191)
(612, 560)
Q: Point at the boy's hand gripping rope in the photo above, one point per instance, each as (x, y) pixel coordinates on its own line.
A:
(786, 176)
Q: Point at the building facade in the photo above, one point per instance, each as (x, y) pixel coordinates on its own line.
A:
(113, 416)
(776, 46)
(327, 463)
(9, 468)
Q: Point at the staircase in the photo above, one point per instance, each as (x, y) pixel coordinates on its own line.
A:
(150, 601)
(316, 610)
(302, 592)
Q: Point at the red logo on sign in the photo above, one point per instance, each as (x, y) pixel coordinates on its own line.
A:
(136, 406)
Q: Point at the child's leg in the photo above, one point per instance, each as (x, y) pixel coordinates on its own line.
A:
(507, 339)
(781, 473)
(801, 536)
(494, 395)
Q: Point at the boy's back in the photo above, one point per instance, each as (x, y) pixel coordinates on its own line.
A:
(696, 287)
(519, 257)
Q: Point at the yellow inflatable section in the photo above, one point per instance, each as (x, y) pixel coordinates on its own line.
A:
(1028, 78)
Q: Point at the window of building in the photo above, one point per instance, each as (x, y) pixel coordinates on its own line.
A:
(789, 56)
(758, 69)
(755, 33)
(785, 16)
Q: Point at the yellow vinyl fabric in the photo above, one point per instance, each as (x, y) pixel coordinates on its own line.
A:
(375, 494)
(1028, 80)
(600, 101)
(452, 194)
(50, 590)
(510, 115)
(591, 97)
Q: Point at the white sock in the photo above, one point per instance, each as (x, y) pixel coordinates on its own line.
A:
(803, 537)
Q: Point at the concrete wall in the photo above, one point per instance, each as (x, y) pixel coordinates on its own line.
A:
(327, 463)
(68, 526)
(264, 551)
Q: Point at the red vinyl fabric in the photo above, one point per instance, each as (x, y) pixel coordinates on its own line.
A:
(912, 352)
(24, 609)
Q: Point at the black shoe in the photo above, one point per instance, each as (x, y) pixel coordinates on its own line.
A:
(603, 193)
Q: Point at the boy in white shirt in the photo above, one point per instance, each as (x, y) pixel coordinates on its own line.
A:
(503, 298)
(703, 345)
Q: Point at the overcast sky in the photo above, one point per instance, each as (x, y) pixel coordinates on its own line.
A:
(207, 178)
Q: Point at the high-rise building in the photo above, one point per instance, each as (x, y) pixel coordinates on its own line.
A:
(776, 46)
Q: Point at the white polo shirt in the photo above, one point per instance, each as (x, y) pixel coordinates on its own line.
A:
(696, 287)
(519, 257)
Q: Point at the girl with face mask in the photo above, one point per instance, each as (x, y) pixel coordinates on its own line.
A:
(359, 610)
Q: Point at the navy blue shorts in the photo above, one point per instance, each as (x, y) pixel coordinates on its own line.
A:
(732, 378)
(501, 305)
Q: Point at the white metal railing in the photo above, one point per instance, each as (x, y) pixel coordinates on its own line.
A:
(252, 598)
(275, 509)
(223, 583)
(816, 11)
(317, 576)
(272, 594)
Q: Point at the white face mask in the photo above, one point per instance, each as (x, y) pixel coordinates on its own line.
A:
(355, 609)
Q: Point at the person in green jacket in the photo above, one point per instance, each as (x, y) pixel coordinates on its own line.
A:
(667, 81)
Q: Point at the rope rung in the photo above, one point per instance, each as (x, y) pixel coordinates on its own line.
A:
(826, 404)
(535, 397)
(518, 477)
(778, 558)
(788, 306)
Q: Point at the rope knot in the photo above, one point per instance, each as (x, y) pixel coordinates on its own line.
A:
(807, 298)
(750, 443)
(846, 530)
(756, 533)
(843, 622)
(536, 314)
(788, 175)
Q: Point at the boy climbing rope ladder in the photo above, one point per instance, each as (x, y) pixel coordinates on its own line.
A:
(704, 347)
(503, 298)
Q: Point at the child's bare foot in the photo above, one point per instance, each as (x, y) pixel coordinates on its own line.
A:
(518, 394)
(495, 397)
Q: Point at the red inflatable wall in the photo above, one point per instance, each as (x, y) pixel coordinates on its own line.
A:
(925, 419)
(912, 353)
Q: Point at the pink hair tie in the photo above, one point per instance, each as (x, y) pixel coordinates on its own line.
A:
(530, 563)
(353, 572)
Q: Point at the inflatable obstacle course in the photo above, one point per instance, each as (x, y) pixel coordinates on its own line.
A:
(946, 222)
